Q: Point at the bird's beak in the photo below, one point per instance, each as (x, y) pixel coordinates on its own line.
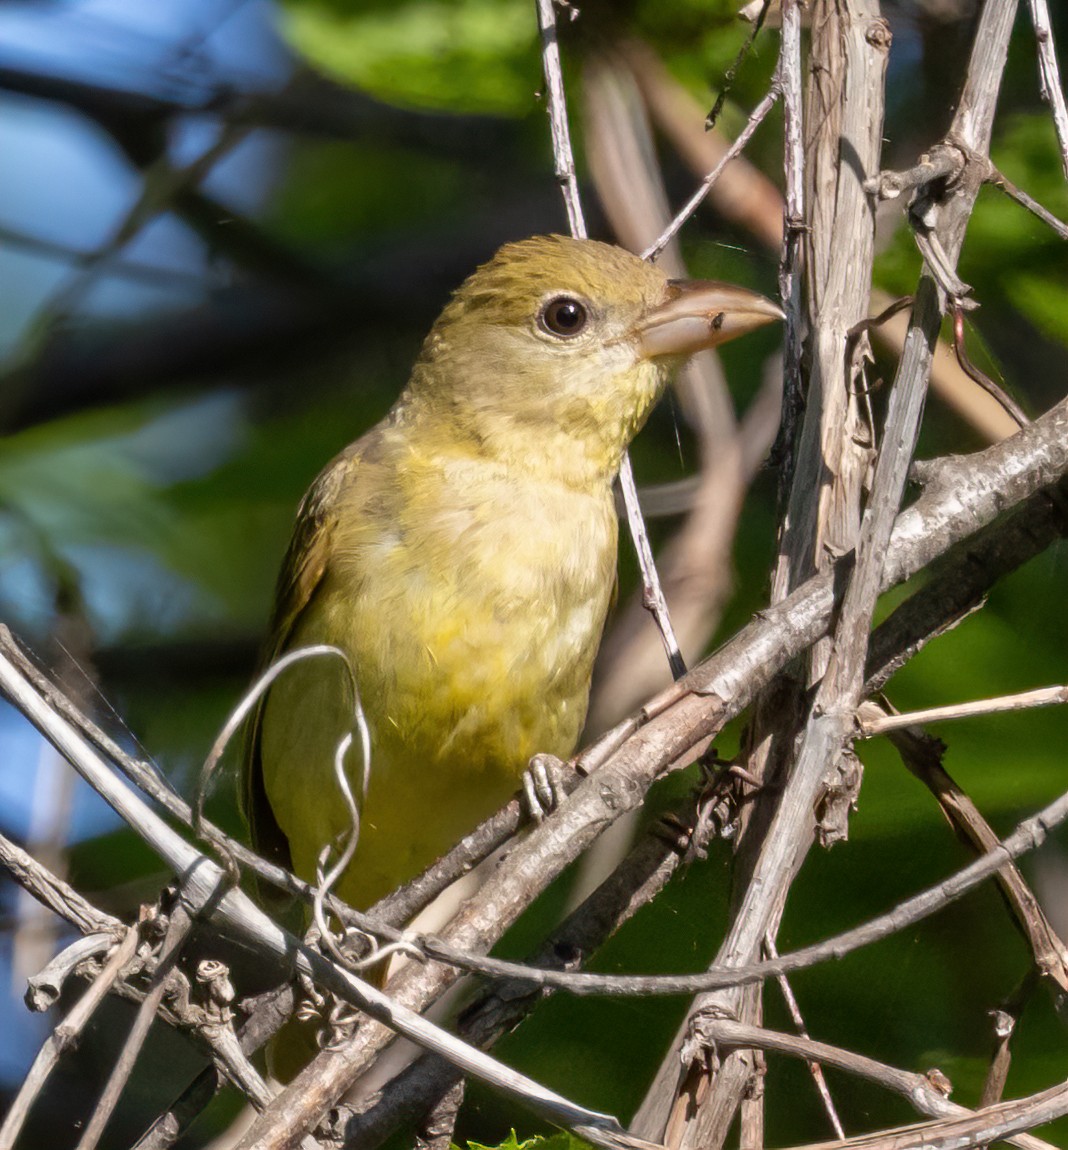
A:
(701, 313)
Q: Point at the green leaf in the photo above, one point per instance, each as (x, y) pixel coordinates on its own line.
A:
(457, 55)
(562, 1140)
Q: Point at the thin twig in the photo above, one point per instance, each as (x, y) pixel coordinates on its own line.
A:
(923, 1091)
(177, 932)
(1050, 76)
(206, 891)
(1028, 836)
(999, 180)
(563, 158)
(743, 195)
(652, 593)
(998, 1072)
(64, 1035)
(922, 755)
(969, 368)
(732, 72)
(814, 1067)
(995, 1124)
(1025, 700)
(756, 118)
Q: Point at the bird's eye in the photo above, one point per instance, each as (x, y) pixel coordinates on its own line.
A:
(563, 317)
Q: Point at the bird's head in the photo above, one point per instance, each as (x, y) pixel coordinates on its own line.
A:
(565, 345)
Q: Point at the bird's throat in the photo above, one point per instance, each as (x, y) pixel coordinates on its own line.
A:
(577, 440)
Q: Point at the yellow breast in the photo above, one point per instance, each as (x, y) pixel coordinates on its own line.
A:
(471, 601)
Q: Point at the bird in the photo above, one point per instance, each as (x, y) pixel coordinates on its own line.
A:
(462, 554)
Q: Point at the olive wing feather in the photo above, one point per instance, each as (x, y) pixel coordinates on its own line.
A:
(306, 561)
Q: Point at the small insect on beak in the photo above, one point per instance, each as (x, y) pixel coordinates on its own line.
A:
(701, 313)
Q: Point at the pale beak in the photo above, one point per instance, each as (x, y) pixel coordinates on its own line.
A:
(699, 314)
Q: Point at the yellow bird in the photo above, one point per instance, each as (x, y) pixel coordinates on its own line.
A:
(463, 554)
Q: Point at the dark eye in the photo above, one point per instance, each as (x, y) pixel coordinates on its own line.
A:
(563, 316)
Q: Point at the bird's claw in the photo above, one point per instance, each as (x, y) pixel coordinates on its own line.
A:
(543, 785)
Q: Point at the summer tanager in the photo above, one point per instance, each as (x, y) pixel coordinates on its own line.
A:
(463, 554)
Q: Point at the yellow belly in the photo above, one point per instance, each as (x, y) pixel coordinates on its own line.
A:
(467, 664)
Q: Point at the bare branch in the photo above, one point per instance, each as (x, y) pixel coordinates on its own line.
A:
(922, 755)
(679, 723)
(62, 1037)
(178, 929)
(1050, 75)
(1001, 181)
(923, 1091)
(205, 891)
(1025, 700)
(653, 595)
(59, 896)
(756, 118)
(814, 1067)
(995, 1124)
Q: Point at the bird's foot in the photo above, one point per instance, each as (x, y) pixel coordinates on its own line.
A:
(544, 785)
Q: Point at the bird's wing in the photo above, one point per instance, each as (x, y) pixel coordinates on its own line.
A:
(305, 563)
(311, 546)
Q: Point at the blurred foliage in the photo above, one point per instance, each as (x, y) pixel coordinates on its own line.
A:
(454, 55)
(155, 502)
(327, 198)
